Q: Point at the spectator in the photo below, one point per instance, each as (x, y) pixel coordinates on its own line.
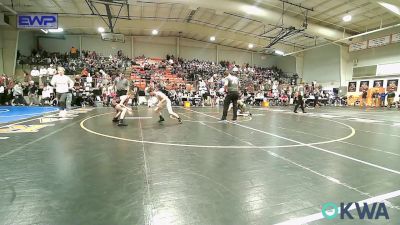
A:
(383, 97)
(74, 52)
(43, 71)
(375, 98)
(390, 96)
(32, 93)
(27, 77)
(25, 91)
(51, 71)
(18, 95)
(3, 79)
(46, 94)
(35, 72)
(85, 72)
(364, 98)
(2, 94)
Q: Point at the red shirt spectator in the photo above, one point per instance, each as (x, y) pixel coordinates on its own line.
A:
(85, 72)
(2, 79)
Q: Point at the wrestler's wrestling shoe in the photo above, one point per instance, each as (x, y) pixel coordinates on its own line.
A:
(122, 124)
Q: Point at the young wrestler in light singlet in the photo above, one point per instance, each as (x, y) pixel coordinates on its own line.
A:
(120, 106)
(242, 108)
(164, 102)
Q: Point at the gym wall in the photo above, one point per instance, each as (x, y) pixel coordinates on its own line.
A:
(379, 57)
(94, 43)
(27, 41)
(1, 52)
(153, 46)
(322, 64)
(265, 60)
(375, 56)
(231, 54)
(60, 44)
(190, 49)
(9, 42)
(286, 63)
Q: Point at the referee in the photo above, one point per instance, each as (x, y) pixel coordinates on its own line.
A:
(122, 85)
(300, 102)
(231, 86)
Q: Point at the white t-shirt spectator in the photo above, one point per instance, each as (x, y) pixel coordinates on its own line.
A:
(104, 74)
(110, 90)
(51, 71)
(221, 91)
(202, 85)
(300, 89)
(35, 73)
(47, 90)
(259, 95)
(17, 90)
(43, 71)
(62, 83)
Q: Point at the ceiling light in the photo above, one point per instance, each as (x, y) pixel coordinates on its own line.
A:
(279, 52)
(101, 29)
(58, 30)
(390, 7)
(154, 32)
(347, 18)
(45, 31)
(212, 38)
(251, 45)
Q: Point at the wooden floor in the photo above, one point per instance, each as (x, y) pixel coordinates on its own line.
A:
(275, 167)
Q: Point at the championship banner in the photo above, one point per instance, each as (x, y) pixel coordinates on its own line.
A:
(377, 42)
(352, 87)
(392, 85)
(358, 46)
(378, 83)
(364, 86)
(395, 38)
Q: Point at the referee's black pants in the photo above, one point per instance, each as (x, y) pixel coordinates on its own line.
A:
(121, 92)
(300, 102)
(233, 97)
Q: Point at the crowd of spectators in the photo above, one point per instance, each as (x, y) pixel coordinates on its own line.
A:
(204, 78)
(99, 78)
(96, 78)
